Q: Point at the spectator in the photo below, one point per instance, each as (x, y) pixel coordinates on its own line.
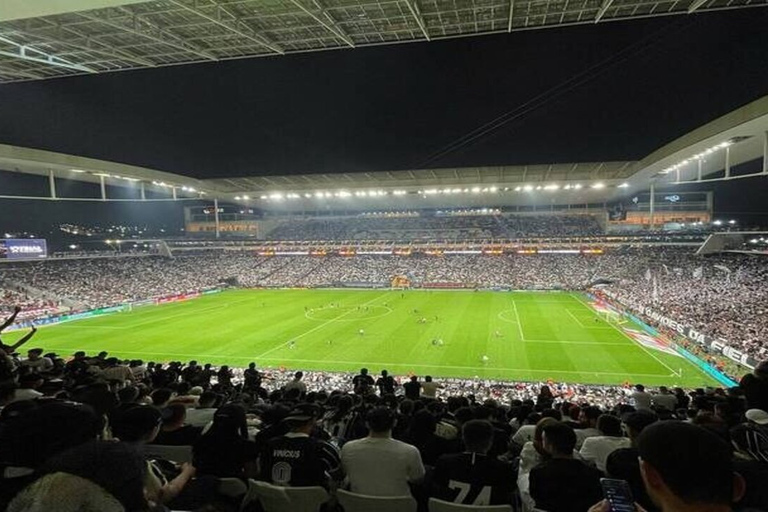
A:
(28, 387)
(596, 449)
(297, 459)
(386, 383)
(379, 465)
(664, 399)
(588, 419)
(202, 415)
(412, 388)
(113, 370)
(642, 399)
(297, 384)
(174, 431)
(36, 363)
(99, 476)
(755, 386)
(473, 478)
(429, 388)
(623, 463)
(685, 467)
(224, 450)
(561, 483)
(362, 383)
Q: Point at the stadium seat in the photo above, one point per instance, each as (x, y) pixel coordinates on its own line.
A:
(436, 505)
(352, 502)
(232, 487)
(280, 499)
(178, 454)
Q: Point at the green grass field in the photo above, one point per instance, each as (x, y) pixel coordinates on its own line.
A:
(526, 336)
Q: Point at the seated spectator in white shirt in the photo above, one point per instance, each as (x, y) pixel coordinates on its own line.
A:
(36, 362)
(378, 465)
(202, 415)
(28, 387)
(588, 420)
(597, 449)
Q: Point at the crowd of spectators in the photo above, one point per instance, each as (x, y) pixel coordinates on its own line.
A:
(443, 227)
(78, 433)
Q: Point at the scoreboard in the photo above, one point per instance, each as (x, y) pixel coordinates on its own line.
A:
(23, 248)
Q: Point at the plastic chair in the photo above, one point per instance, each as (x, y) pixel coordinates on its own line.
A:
(436, 505)
(274, 498)
(178, 454)
(353, 502)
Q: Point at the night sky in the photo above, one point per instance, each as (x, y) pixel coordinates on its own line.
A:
(612, 91)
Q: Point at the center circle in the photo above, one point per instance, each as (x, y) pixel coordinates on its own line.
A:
(347, 313)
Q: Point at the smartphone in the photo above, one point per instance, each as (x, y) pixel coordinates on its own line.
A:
(618, 494)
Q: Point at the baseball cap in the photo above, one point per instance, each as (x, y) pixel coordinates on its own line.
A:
(758, 416)
(304, 412)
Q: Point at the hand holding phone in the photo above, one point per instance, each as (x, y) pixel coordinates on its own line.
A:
(618, 495)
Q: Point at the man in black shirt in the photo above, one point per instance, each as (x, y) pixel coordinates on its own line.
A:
(386, 383)
(562, 483)
(412, 388)
(362, 383)
(296, 459)
(252, 378)
(473, 478)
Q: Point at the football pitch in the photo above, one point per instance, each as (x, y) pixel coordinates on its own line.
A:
(490, 335)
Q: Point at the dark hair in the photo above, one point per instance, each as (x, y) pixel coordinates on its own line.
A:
(161, 396)
(119, 468)
(173, 414)
(640, 387)
(694, 463)
(560, 436)
(477, 435)
(207, 399)
(592, 412)
(298, 375)
(428, 378)
(552, 413)
(380, 419)
(609, 425)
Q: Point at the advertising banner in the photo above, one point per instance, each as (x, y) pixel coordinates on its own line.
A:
(710, 342)
(23, 248)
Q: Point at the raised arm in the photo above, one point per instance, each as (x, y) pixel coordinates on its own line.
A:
(25, 339)
(10, 319)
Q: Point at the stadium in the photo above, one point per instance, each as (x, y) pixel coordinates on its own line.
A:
(385, 277)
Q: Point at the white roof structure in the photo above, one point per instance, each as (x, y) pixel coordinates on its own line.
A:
(52, 38)
(714, 151)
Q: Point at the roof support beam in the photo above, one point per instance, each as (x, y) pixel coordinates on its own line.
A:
(329, 23)
(27, 53)
(88, 46)
(695, 5)
(247, 32)
(16, 73)
(159, 36)
(603, 9)
(511, 12)
(413, 6)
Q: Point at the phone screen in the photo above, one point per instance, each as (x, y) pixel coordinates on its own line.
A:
(618, 494)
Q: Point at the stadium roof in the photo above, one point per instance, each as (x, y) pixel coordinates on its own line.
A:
(47, 39)
(737, 141)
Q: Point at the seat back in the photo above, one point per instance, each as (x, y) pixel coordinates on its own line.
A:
(178, 454)
(274, 498)
(436, 505)
(353, 502)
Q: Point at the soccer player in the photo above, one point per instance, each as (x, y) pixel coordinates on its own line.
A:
(361, 332)
(498, 334)
(484, 359)
(292, 344)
